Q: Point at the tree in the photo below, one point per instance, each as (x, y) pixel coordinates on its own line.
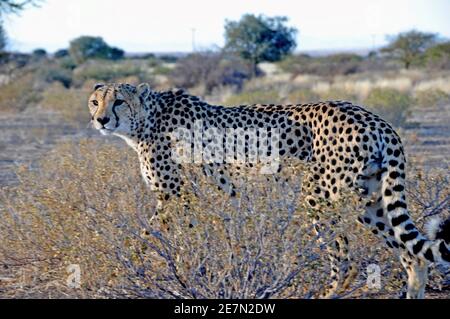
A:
(39, 54)
(14, 6)
(259, 38)
(87, 47)
(11, 6)
(61, 53)
(2, 38)
(408, 47)
(438, 56)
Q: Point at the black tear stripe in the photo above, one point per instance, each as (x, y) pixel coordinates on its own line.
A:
(115, 114)
(409, 236)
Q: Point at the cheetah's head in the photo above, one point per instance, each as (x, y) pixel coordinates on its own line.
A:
(116, 108)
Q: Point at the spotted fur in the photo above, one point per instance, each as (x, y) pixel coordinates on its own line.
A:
(344, 145)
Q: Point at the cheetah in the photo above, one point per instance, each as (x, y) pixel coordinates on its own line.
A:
(344, 145)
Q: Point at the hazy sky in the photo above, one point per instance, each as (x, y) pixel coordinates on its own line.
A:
(166, 25)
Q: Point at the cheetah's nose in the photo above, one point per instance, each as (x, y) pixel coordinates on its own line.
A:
(103, 120)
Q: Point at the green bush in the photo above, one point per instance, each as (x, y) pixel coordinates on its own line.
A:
(61, 53)
(438, 56)
(85, 48)
(162, 70)
(67, 63)
(431, 97)
(39, 54)
(392, 105)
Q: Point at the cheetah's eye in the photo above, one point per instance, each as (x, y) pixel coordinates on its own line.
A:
(95, 102)
(118, 102)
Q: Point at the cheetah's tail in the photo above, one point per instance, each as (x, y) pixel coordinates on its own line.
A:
(434, 249)
(436, 228)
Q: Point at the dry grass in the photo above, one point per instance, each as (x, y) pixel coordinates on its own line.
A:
(86, 205)
(17, 94)
(69, 103)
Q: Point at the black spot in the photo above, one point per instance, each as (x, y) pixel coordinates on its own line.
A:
(380, 212)
(429, 255)
(444, 231)
(444, 252)
(393, 163)
(409, 236)
(398, 188)
(395, 205)
(380, 226)
(418, 246)
(398, 220)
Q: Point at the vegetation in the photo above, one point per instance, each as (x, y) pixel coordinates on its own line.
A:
(81, 200)
(17, 95)
(438, 56)
(86, 47)
(211, 70)
(2, 39)
(259, 38)
(408, 47)
(390, 104)
(15, 6)
(254, 250)
(11, 7)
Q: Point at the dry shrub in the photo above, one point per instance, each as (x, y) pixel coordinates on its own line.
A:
(107, 71)
(390, 104)
(70, 103)
(337, 94)
(85, 204)
(431, 97)
(210, 70)
(302, 96)
(254, 97)
(18, 94)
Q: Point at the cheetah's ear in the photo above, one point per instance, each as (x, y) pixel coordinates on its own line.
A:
(98, 86)
(143, 90)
